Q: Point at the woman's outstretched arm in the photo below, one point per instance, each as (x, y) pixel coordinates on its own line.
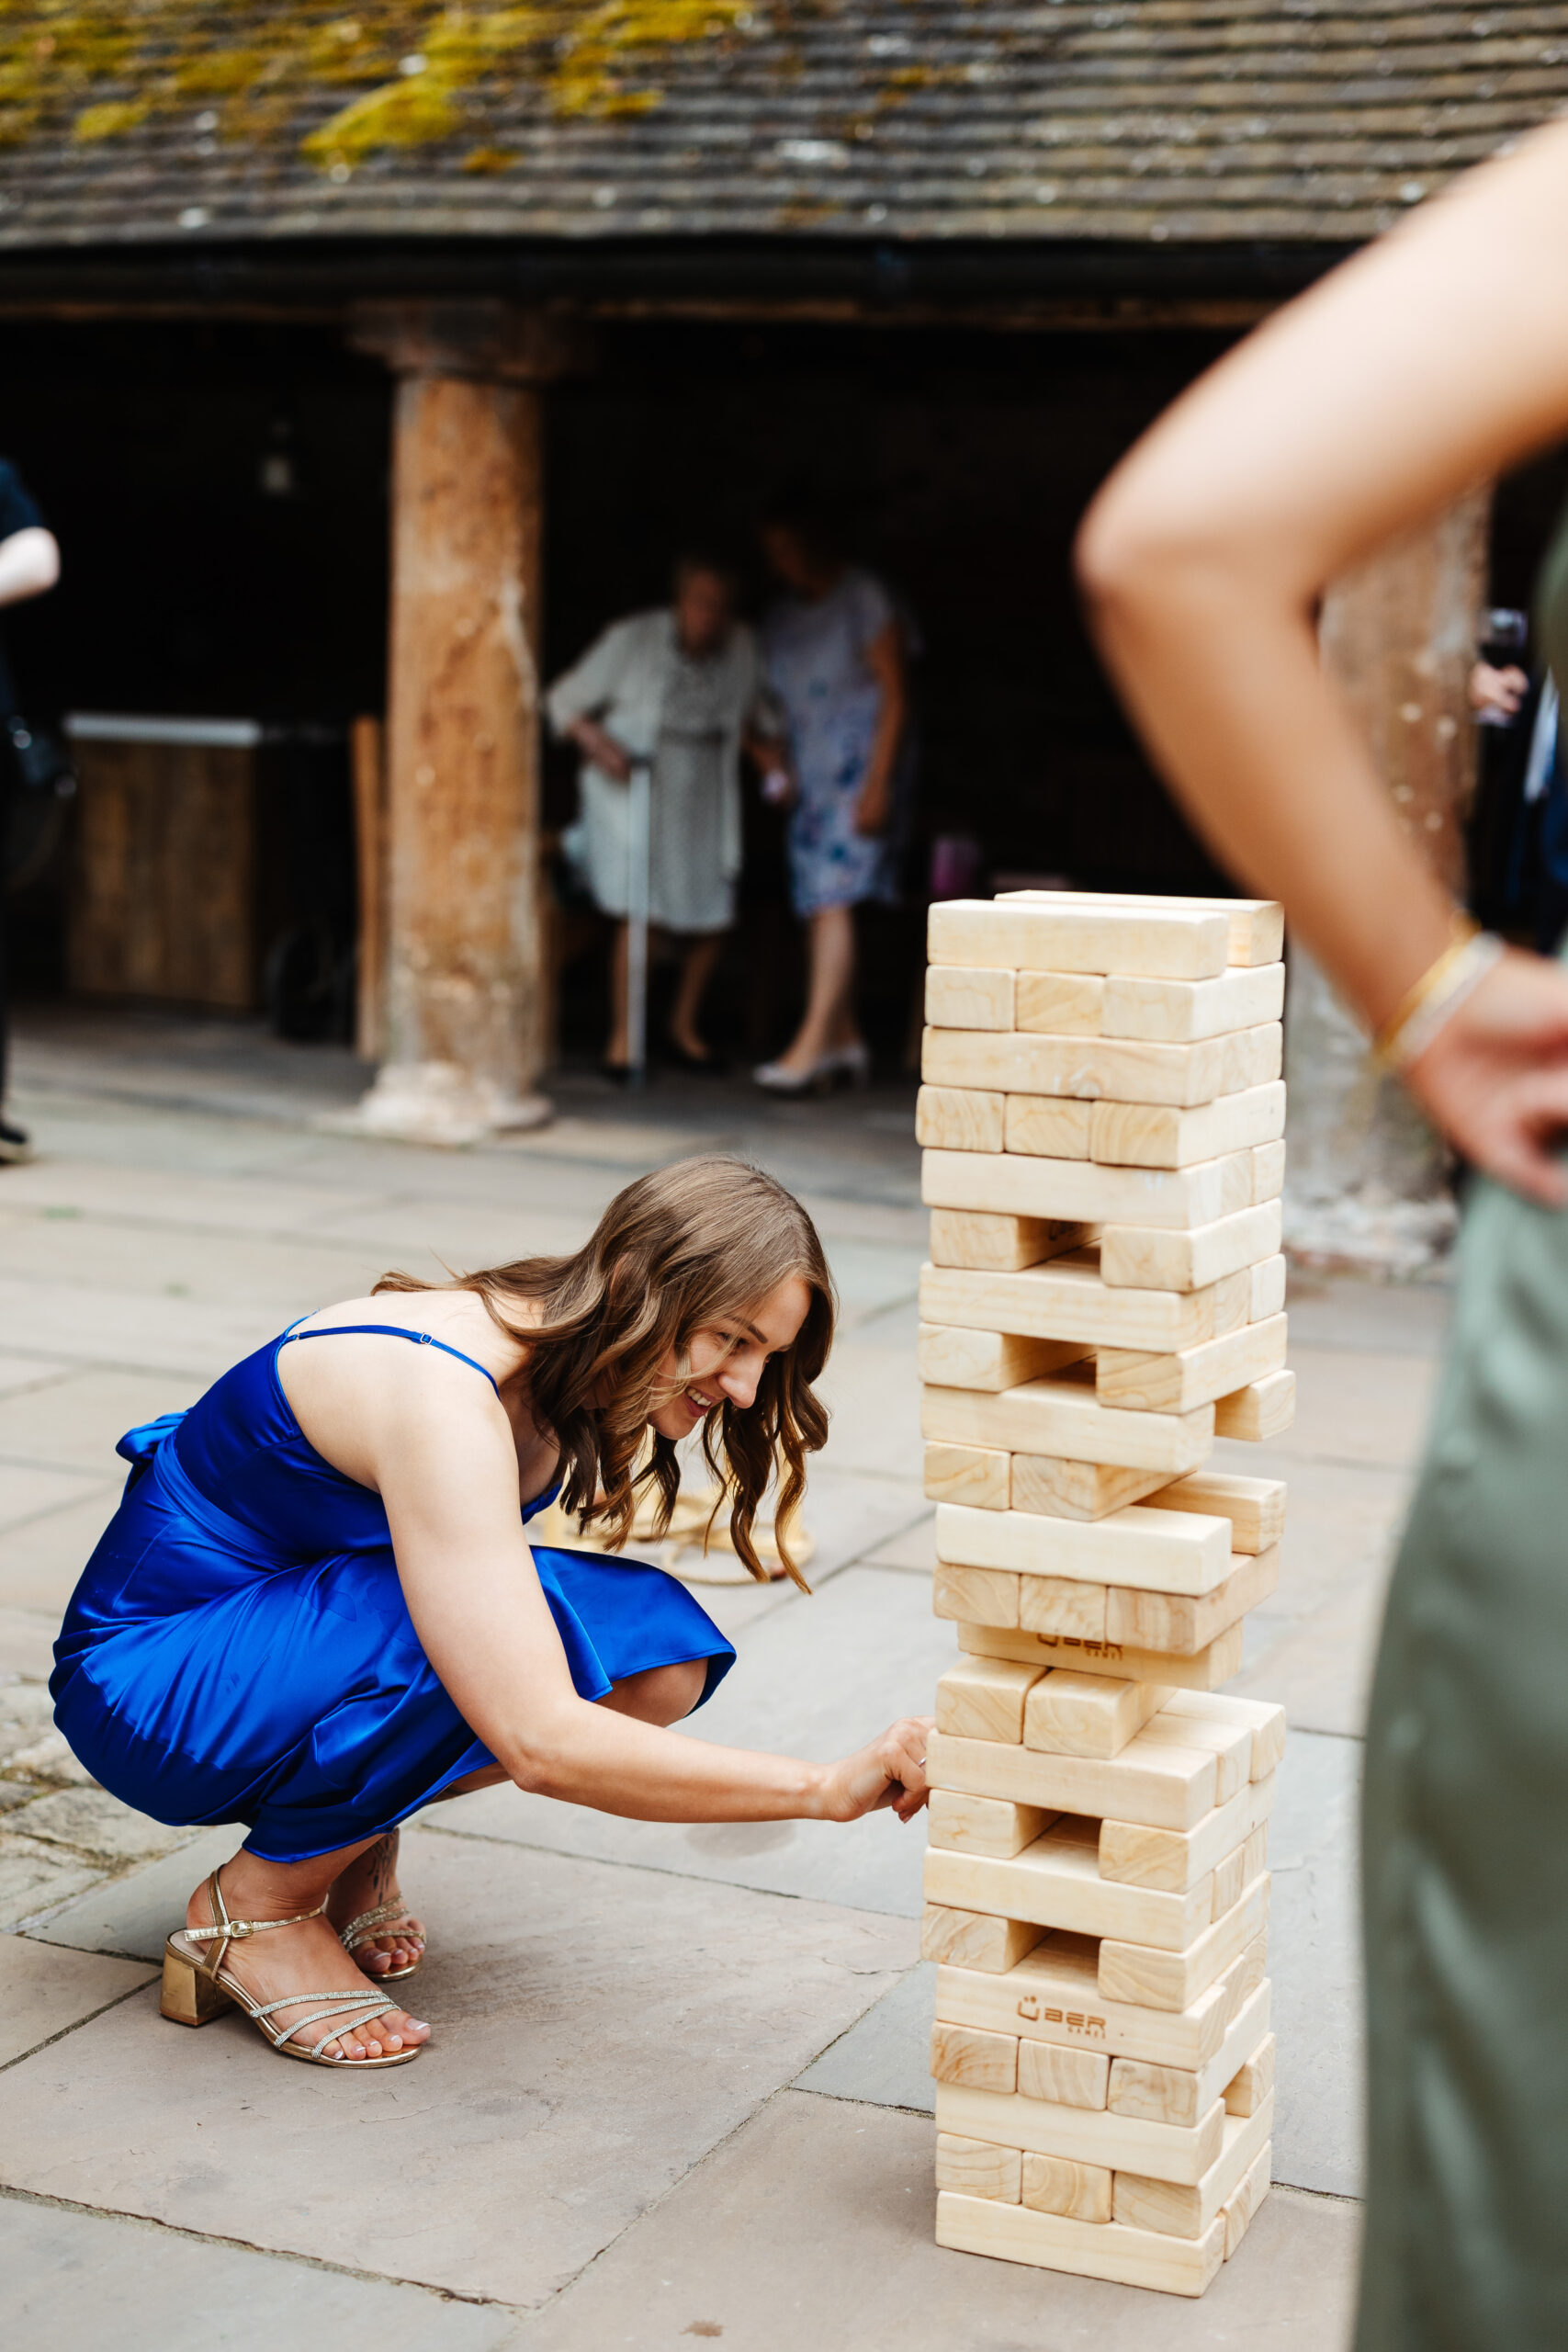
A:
(448, 1476)
(1424, 366)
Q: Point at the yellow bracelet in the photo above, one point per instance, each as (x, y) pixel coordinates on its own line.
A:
(1440, 990)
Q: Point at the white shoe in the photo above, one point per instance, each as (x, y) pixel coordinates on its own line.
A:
(851, 1062)
(778, 1078)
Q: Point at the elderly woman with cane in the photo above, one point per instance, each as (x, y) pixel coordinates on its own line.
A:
(1424, 366)
(317, 1609)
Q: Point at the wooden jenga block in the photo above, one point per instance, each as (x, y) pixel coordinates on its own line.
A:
(1086, 2249)
(1012, 1183)
(1051, 2185)
(984, 1825)
(1177, 1621)
(1112, 1069)
(1061, 1489)
(987, 2061)
(1171, 2152)
(1062, 1606)
(1206, 1671)
(968, 997)
(1230, 1877)
(1157, 1979)
(1001, 1244)
(1256, 927)
(1181, 2094)
(1230, 1743)
(1052, 1994)
(1255, 1853)
(1055, 1884)
(1069, 2078)
(1181, 1379)
(1151, 1780)
(1176, 1858)
(1231, 1295)
(1060, 1004)
(1086, 1715)
(1060, 1414)
(1147, 1135)
(975, 1939)
(1141, 1547)
(1262, 1719)
(979, 1597)
(1049, 1127)
(983, 1698)
(1064, 935)
(968, 1473)
(1151, 1257)
(1243, 1977)
(1268, 1171)
(1255, 1507)
(1192, 2208)
(1239, 2210)
(948, 1357)
(1066, 1300)
(1266, 1287)
(976, 2168)
(1252, 2084)
(1253, 1058)
(959, 1118)
(1179, 1012)
(1265, 1407)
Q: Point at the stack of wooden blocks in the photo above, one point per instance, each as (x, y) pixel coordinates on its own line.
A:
(1103, 1115)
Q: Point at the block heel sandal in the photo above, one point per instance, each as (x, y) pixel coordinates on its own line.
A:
(197, 1986)
(379, 1922)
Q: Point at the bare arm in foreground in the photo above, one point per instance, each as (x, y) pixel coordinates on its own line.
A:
(1424, 366)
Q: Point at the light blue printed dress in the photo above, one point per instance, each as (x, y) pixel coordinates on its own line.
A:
(815, 655)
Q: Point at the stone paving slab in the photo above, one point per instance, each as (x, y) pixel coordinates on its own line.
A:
(598, 2032)
(78, 1423)
(870, 1390)
(31, 1372)
(189, 1201)
(131, 1915)
(45, 1991)
(27, 1491)
(812, 2228)
(1314, 1958)
(269, 1274)
(34, 1874)
(40, 1562)
(70, 2278)
(1356, 1405)
(884, 2058)
(26, 1643)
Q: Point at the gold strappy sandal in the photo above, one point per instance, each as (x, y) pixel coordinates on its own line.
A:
(371, 1924)
(197, 1986)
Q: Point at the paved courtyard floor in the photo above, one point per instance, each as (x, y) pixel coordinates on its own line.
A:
(678, 2085)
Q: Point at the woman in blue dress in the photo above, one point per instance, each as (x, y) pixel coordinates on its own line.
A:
(316, 1611)
(834, 650)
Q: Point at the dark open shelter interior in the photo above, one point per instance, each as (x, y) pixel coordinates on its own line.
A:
(220, 491)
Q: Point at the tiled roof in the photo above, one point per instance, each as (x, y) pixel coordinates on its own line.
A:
(1184, 121)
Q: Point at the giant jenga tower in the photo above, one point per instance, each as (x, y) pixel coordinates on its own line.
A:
(1102, 1115)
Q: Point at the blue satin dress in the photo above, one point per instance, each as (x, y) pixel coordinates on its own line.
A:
(238, 1647)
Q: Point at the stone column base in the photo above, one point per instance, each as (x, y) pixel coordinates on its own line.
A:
(441, 1103)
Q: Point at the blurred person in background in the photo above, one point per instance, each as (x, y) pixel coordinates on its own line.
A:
(836, 652)
(680, 687)
(1434, 359)
(30, 565)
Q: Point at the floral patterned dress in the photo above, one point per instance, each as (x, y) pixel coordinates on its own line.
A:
(814, 651)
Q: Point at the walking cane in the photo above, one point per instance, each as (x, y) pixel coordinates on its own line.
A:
(638, 810)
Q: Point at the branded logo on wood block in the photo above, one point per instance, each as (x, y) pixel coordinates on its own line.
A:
(1074, 2020)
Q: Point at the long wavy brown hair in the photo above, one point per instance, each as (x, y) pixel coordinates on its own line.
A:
(691, 1248)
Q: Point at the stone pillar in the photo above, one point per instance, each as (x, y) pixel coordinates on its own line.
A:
(1368, 1181)
(464, 980)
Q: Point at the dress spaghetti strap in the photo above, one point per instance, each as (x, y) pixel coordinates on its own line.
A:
(390, 1331)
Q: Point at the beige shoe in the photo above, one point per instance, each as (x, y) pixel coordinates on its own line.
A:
(197, 1986)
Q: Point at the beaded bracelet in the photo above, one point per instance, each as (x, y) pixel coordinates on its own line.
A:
(1437, 995)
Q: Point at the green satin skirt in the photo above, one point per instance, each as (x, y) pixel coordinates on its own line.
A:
(1465, 1833)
